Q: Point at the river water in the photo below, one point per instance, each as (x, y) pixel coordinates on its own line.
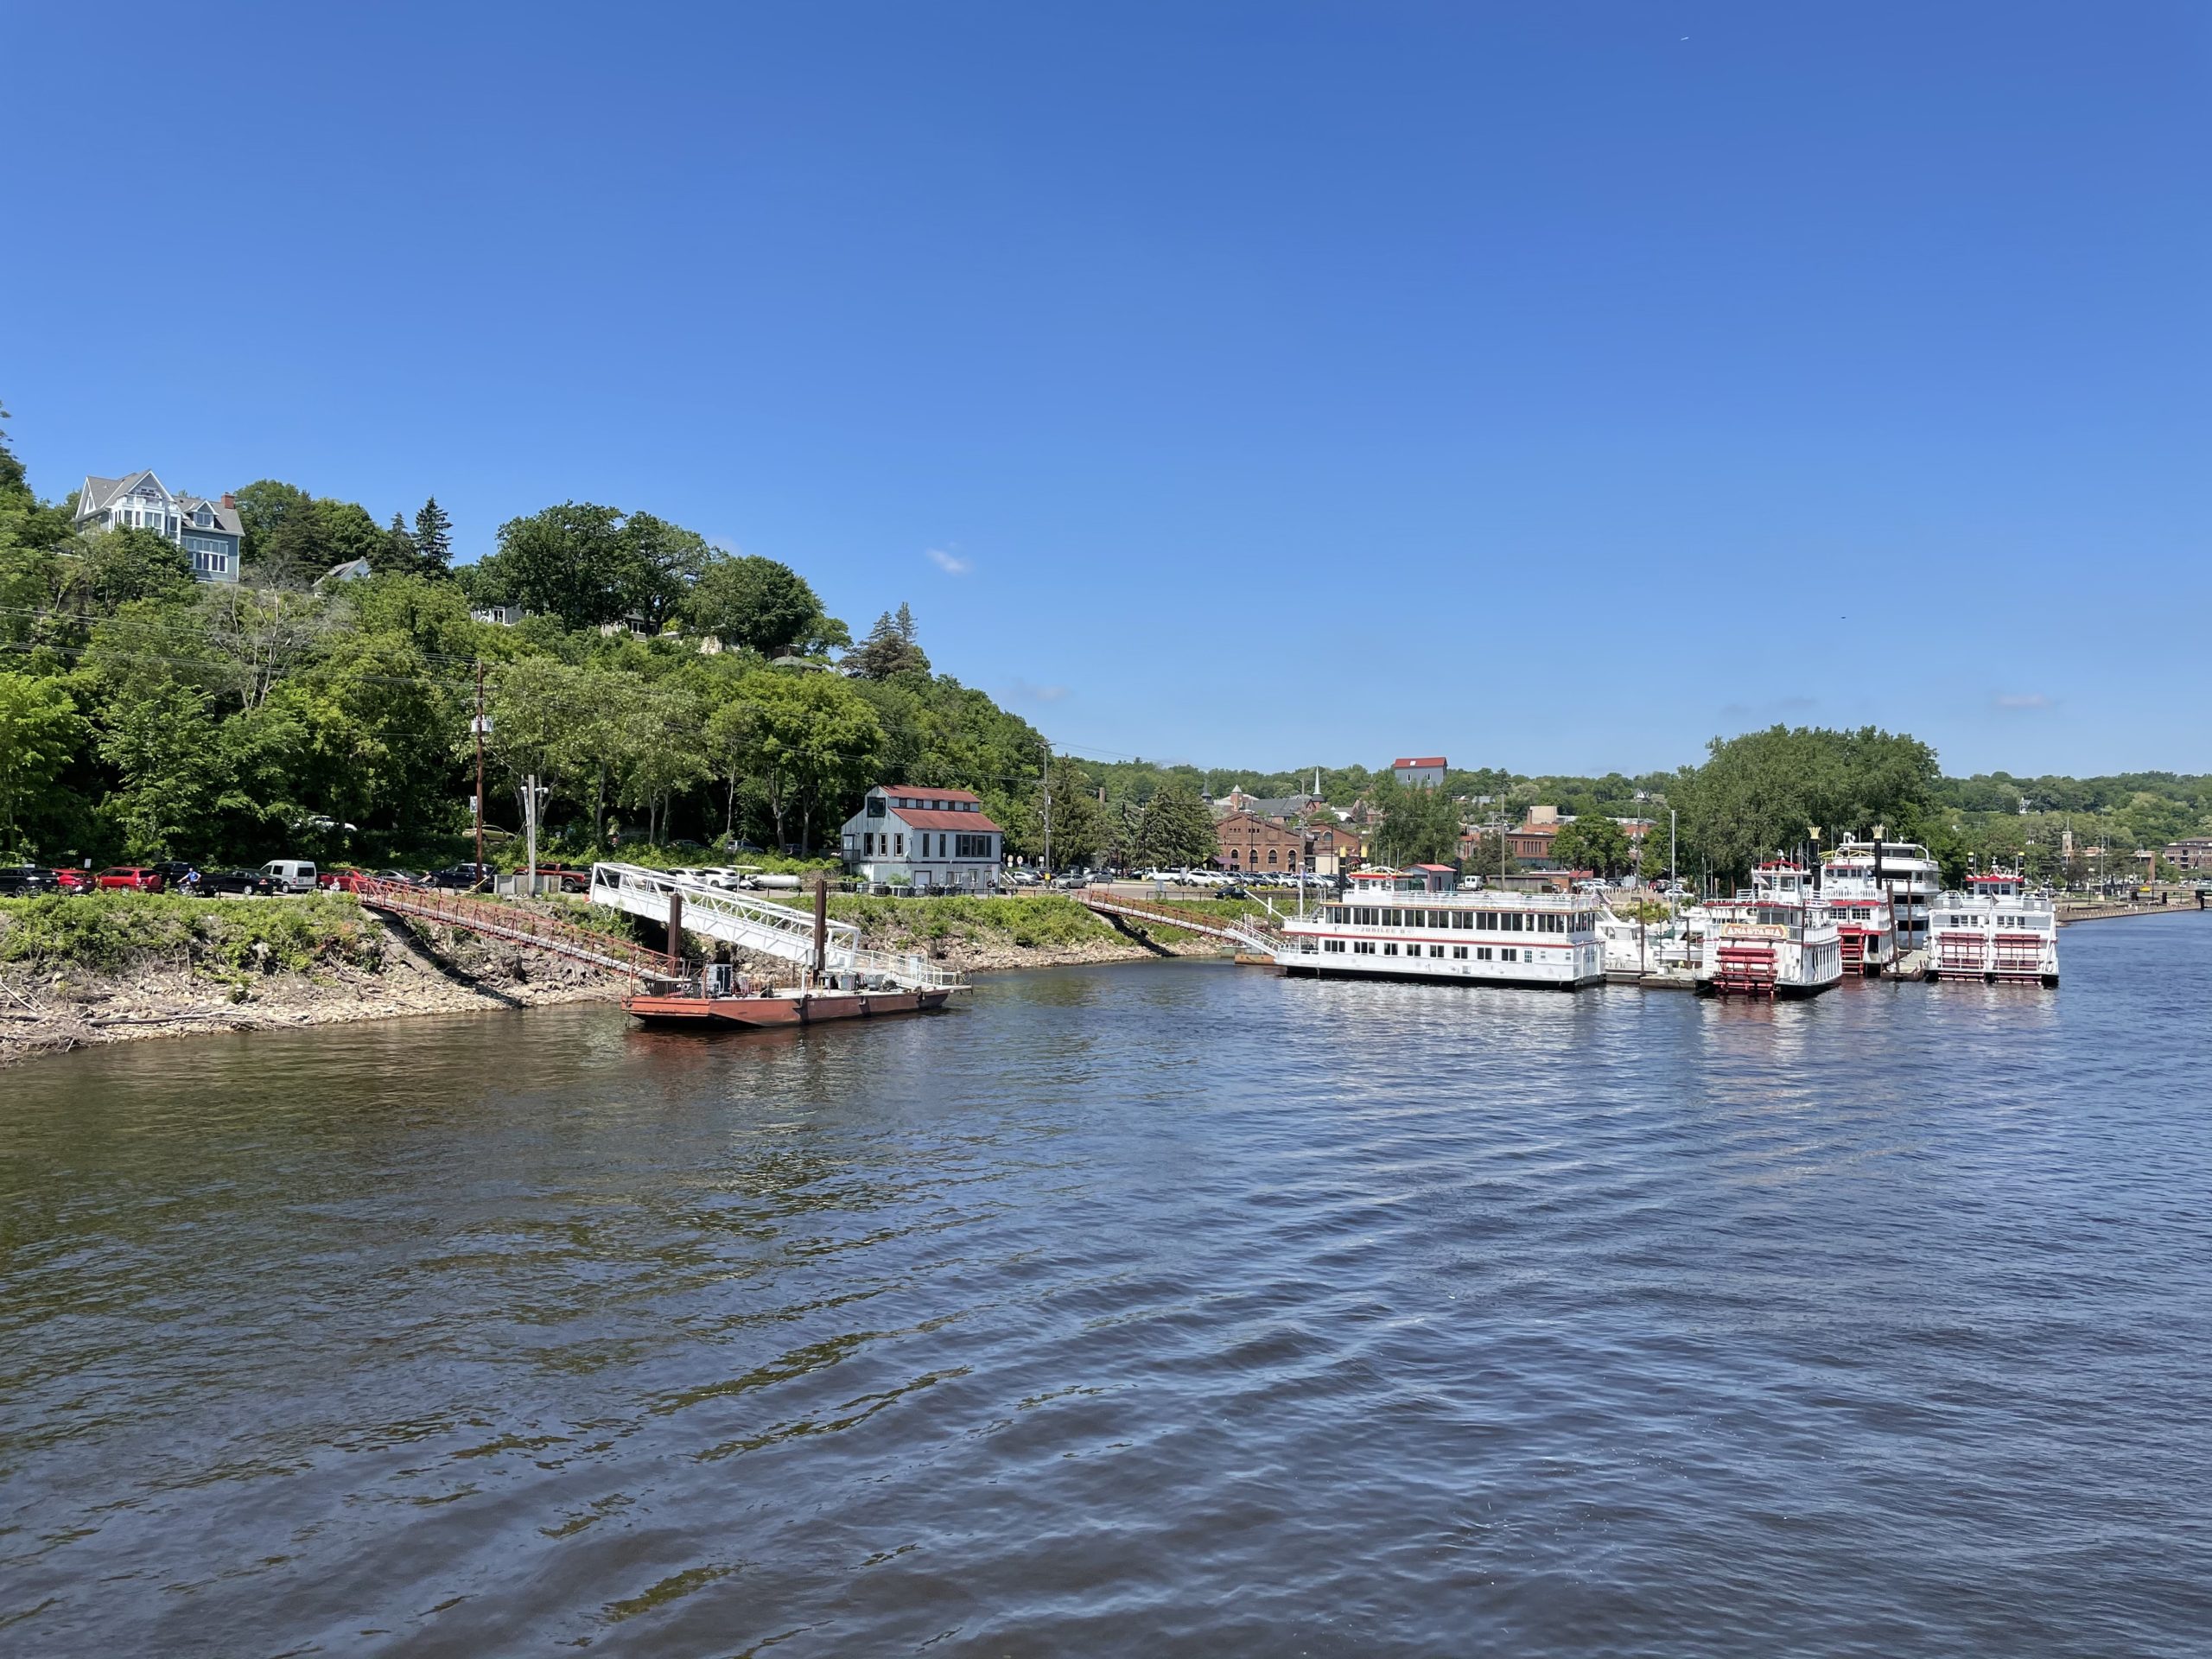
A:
(1158, 1309)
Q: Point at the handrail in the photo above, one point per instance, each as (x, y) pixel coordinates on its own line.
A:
(1256, 938)
(497, 918)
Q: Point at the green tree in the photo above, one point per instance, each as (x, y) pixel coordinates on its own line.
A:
(433, 538)
(661, 561)
(1592, 843)
(892, 648)
(263, 505)
(1078, 821)
(1419, 825)
(1174, 829)
(660, 750)
(12, 477)
(807, 739)
(164, 748)
(122, 566)
(397, 556)
(39, 733)
(589, 565)
(1766, 790)
(759, 604)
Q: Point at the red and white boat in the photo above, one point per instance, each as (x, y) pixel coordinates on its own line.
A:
(1864, 915)
(1421, 924)
(1776, 940)
(1996, 930)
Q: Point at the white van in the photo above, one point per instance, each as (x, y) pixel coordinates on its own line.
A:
(292, 874)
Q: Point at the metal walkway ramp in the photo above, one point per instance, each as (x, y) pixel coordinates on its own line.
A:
(1263, 940)
(498, 918)
(745, 921)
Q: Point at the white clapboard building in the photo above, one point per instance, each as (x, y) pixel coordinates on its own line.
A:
(913, 834)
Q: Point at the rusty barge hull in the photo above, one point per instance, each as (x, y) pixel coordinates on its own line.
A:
(706, 1013)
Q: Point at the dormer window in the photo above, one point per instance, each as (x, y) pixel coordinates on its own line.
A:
(203, 519)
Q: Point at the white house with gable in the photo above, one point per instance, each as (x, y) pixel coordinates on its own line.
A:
(915, 834)
(208, 532)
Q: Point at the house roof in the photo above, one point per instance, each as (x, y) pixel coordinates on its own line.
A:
(919, 818)
(932, 791)
(227, 518)
(1436, 760)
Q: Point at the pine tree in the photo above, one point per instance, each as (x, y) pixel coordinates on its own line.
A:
(889, 648)
(433, 539)
(397, 553)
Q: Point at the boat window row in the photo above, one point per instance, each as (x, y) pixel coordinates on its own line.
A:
(1436, 952)
(1466, 921)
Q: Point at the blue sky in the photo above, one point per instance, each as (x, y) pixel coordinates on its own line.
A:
(1546, 386)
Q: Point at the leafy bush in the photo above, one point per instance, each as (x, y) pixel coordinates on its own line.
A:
(110, 931)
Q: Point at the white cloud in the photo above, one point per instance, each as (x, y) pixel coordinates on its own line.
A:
(951, 564)
(2026, 700)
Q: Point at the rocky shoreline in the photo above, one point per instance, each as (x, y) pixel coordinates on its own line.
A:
(74, 1007)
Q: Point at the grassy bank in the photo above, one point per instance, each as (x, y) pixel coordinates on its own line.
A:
(1041, 922)
(114, 933)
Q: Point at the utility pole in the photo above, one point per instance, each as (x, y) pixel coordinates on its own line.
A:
(1672, 876)
(1048, 811)
(530, 830)
(480, 770)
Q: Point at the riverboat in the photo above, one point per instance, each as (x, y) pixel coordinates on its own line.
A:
(1997, 930)
(1775, 940)
(1865, 921)
(1901, 869)
(1420, 924)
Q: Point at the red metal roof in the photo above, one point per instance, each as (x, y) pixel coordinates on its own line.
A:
(1419, 760)
(930, 792)
(973, 822)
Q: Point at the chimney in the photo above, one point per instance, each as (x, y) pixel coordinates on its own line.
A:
(230, 500)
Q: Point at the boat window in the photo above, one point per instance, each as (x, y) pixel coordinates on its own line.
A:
(1462, 918)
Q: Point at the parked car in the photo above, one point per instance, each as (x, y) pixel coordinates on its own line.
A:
(74, 880)
(130, 878)
(413, 878)
(463, 878)
(291, 874)
(25, 880)
(334, 878)
(246, 883)
(1233, 890)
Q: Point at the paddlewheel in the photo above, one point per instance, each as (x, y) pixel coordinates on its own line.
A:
(1853, 945)
(1960, 954)
(2019, 956)
(1744, 968)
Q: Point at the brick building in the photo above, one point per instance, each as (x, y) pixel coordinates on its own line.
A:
(1250, 843)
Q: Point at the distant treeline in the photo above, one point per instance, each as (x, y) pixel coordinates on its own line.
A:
(663, 689)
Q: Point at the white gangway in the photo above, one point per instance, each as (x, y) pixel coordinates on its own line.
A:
(746, 922)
